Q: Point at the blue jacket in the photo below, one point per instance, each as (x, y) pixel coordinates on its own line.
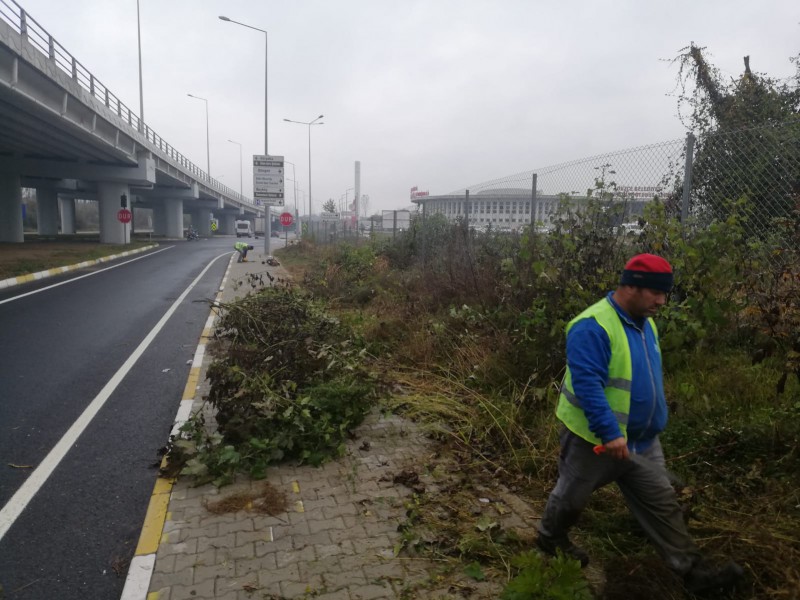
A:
(588, 356)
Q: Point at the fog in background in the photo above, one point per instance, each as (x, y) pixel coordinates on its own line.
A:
(438, 94)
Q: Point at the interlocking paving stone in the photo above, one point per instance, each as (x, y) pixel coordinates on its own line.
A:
(335, 541)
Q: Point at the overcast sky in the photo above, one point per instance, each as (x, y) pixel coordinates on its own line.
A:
(439, 94)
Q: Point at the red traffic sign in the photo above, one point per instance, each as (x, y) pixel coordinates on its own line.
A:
(286, 219)
(124, 215)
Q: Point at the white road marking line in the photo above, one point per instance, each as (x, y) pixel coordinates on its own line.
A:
(49, 287)
(139, 575)
(19, 501)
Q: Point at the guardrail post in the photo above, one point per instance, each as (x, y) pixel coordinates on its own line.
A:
(51, 47)
(687, 177)
(74, 69)
(23, 24)
(91, 84)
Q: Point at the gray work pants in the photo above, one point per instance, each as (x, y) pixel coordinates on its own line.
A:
(645, 485)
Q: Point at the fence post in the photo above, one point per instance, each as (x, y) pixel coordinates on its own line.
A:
(466, 209)
(687, 177)
(394, 224)
(534, 179)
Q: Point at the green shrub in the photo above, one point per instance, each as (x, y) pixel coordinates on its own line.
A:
(291, 384)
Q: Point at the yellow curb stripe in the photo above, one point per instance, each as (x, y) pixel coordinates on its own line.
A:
(191, 383)
(154, 596)
(154, 520)
(26, 278)
(295, 487)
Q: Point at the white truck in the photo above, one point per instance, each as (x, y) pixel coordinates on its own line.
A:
(244, 229)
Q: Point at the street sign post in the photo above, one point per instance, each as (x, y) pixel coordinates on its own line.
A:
(286, 219)
(268, 180)
(268, 188)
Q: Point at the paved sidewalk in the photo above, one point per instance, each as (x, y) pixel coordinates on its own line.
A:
(336, 541)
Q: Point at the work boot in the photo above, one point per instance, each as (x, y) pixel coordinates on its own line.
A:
(705, 578)
(551, 546)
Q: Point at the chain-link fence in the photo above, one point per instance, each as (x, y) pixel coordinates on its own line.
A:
(387, 225)
(755, 172)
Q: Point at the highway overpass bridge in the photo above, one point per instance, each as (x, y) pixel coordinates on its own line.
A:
(65, 134)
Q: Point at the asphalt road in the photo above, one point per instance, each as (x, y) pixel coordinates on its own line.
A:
(61, 349)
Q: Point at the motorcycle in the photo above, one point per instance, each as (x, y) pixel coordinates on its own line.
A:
(191, 234)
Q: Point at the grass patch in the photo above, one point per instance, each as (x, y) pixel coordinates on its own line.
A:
(35, 255)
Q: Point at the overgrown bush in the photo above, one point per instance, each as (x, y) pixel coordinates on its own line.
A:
(289, 383)
(478, 319)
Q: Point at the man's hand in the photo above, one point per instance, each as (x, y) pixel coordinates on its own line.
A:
(618, 448)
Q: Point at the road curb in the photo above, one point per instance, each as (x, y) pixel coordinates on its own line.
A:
(12, 281)
(141, 568)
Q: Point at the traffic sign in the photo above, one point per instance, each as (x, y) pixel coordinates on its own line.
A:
(268, 182)
(329, 216)
(286, 219)
(124, 215)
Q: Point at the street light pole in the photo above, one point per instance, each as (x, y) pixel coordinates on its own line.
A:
(295, 183)
(309, 123)
(266, 77)
(267, 215)
(241, 191)
(141, 92)
(208, 147)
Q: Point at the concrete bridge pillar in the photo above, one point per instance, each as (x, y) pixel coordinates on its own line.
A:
(47, 207)
(203, 221)
(109, 203)
(159, 219)
(227, 224)
(173, 218)
(67, 208)
(11, 209)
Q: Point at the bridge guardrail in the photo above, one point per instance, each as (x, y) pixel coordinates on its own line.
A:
(39, 38)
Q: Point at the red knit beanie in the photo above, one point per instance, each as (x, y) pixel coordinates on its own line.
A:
(648, 271)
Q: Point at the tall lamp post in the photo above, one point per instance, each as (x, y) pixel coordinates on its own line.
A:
(141, 91)
(268, 215)
(294, 175)
(309, 123)
(208, 147)
(241, 191)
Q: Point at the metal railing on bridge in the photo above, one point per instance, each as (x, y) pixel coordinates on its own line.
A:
(30, 30)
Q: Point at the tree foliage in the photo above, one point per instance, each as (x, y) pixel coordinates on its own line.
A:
(748, 138)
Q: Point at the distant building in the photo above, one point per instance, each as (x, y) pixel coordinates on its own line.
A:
(510, 209)
(504, 209)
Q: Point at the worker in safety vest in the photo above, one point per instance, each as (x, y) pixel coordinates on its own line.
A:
(242, 249)
(612, 408)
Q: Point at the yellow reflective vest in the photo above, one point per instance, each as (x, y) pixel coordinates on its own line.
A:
(618, 386)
